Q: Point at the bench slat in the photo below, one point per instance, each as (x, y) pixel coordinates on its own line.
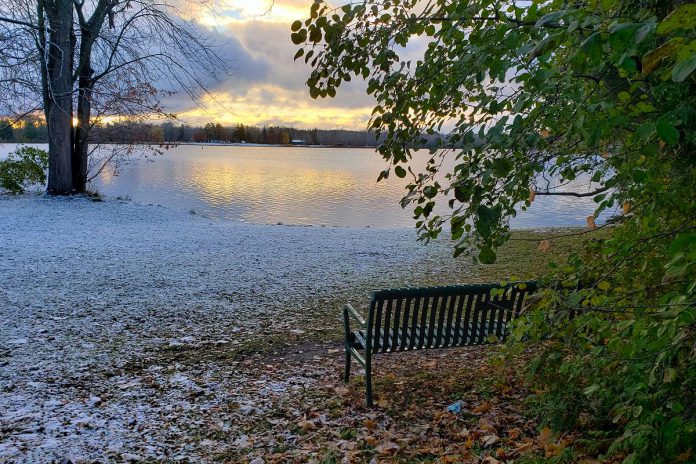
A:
(396, 324)
(406, 318)
(439, 339)
(450, 320)
(386, 327)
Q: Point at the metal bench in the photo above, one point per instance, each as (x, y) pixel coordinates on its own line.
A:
(432, 317)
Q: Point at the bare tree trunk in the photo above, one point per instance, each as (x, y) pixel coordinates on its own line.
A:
(59, 108)
(81, 151)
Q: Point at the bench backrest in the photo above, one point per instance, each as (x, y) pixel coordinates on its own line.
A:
(438, 317)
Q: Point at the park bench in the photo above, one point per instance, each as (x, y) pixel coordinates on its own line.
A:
(433, 317)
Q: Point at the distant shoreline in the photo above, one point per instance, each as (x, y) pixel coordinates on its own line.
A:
(277, 145)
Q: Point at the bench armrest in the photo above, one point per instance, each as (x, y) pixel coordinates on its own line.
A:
(349, 311)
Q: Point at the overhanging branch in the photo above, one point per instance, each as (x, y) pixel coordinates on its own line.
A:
(573, 194)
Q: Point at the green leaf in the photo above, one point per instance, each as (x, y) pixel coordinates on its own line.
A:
(502, 167)
(683, 69)
(296, 26)
(400, 172)
(667, 132)
(592, 47)
(684, 17)
(487, 255)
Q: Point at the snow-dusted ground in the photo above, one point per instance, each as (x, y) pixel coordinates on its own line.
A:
(109, 309)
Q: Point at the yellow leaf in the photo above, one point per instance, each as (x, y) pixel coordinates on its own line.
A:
(545, 435)
(469, 442)
(591, 222)
(544, 245)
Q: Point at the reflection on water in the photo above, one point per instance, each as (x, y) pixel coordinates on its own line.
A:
(292, 185)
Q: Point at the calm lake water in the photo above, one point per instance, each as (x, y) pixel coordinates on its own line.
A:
(291, 185)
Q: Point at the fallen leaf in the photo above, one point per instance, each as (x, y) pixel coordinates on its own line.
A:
(685, 456)
(469, 442)
(514, 433)
(482, 408)
(490, 460)
(370, 424)
(591, 222)
(307, 426)
(342, 390)
(545, 436)
(544, 245)
(489, 440)
(388, 447)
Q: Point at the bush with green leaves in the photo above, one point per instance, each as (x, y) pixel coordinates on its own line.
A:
(24, 167)
(603, 90)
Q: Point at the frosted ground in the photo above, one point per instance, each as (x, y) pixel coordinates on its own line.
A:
(120, 320)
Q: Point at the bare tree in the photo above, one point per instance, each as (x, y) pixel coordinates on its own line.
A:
(96, 59)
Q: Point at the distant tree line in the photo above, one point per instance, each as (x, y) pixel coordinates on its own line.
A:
(33, 130)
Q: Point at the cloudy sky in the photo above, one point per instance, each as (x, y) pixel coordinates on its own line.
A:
(266, 86)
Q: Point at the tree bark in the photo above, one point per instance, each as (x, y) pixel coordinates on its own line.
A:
(59, 108)
(85, 85)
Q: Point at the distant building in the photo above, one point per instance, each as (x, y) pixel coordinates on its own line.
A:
(298, 142)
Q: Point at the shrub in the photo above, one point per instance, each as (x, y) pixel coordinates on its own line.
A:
(23, 167)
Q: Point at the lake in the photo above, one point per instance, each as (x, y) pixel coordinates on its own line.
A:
(291, 185)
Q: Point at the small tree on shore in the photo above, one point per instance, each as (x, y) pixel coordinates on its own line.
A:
(535, 95)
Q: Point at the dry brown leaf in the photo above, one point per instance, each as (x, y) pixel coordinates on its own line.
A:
(388, 447)
(342, 390)
(370, 440)
(307, 426)
(370, 424)
(685, 456)
(544, 246)
(490, 460)
(545, 133)
(591, 222)
(489, 440)
(482, 408)
(523, 447)
(545, 436)
(514, 433)
(382, 403)
(627, 207)
(553, 449)
(532, 195)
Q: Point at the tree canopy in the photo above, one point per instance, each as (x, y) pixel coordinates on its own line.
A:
(537, 96)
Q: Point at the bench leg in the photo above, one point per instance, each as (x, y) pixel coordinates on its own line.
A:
(368, 382)
(346, 375)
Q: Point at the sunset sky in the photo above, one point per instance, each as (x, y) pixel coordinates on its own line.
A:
(266, 86)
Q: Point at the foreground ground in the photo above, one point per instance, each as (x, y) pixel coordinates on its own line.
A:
(134, 332)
